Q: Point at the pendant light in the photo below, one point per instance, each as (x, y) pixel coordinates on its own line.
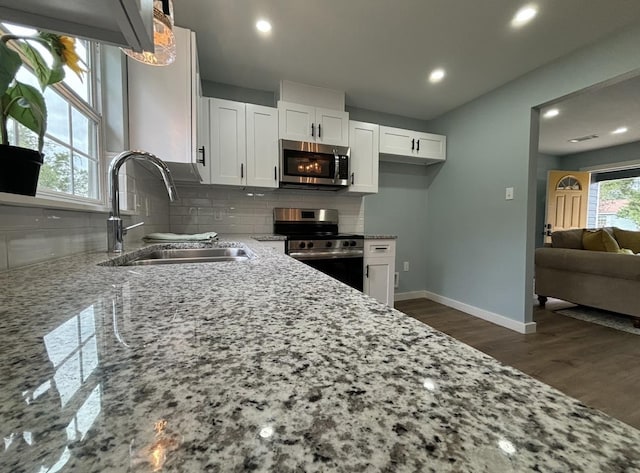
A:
(164, 40)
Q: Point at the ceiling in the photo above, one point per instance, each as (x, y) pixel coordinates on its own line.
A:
(380, 52)
(594, 112)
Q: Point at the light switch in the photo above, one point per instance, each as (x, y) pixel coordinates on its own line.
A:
(508, 194)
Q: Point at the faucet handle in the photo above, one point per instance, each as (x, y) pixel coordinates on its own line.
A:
(126, 229)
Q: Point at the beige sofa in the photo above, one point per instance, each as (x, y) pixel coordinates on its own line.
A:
(608, 280)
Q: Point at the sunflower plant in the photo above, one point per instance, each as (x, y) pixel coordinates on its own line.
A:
(23, 102)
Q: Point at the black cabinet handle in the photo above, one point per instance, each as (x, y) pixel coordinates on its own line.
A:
(367, 274)
(418, 148)
(413, 144)
(242, 171)
(351, 178)
(313, 130)
(319, 130)
(275, 172)
(202, 151)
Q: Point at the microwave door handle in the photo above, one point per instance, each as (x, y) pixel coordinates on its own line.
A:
(336, 171)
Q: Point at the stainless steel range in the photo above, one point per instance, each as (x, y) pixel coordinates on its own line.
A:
(313, 238)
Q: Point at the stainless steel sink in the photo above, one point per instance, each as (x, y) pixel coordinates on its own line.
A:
(190, 255)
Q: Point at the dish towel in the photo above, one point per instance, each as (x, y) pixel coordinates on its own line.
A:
(174, 237)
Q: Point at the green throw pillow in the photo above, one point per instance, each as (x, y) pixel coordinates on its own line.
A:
(599, 240)
(628, 239)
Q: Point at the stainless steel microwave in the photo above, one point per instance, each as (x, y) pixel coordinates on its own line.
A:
(313, 165)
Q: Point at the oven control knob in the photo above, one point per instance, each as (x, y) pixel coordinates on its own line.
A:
(345, 243)
(329, 244)
(302, 244)
(310, 244)
(352, 243)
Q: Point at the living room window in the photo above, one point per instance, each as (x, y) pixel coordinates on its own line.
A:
(618, 199)
(71, 168)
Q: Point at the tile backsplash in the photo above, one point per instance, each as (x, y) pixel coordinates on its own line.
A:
(32, 234)
(201, 209)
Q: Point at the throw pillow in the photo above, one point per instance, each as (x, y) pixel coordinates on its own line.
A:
(628, 239)
(599, 240)
(571, 239)
(625, 251)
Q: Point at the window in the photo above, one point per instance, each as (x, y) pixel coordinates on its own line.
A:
(71, 144)
(619, 199)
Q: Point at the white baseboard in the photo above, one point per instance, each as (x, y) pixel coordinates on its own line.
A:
(520, 327)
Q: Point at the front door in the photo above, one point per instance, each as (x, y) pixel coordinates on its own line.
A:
(567, 199)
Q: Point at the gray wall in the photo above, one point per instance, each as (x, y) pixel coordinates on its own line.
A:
(398, 209)
(480, 246)
(611, 155)
(238, 94)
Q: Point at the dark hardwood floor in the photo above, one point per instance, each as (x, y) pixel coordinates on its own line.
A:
(595, 364)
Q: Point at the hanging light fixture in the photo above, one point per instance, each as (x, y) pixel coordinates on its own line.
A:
(164, 40)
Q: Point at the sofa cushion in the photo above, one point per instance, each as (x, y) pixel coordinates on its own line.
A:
(567, 239)
(599, 240)
(627, 239)
(616, 266)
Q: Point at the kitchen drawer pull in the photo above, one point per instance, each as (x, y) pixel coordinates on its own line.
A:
(242, 171)
(413, 144)
(201, 150)
(418, 147)
(381, 248)
(367, 271)
(313, 130)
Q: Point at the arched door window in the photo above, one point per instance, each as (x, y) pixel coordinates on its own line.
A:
(569, 183)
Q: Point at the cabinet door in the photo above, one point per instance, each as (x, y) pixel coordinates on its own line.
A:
(377, 280)
(295, 121)
(396, 141)
(332, 127)
(203, 160)
(228, 137)
(160, 105)
(430, 146)
(262, 146)
(363, 141)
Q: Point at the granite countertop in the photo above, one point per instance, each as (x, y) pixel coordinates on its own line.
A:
(263, 365)
(370, 236)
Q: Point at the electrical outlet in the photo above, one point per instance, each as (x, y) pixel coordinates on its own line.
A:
(508, 193)
(396, 279)
(405, 266)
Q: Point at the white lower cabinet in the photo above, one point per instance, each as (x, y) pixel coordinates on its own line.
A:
(379, 269)
(363, 141)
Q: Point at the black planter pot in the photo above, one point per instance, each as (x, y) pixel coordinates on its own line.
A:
(19, 170)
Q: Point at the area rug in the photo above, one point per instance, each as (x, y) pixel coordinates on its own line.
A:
(601, 317)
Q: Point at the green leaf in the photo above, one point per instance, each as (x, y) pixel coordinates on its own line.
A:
(34, 114)
(40, 67)
(10, 62)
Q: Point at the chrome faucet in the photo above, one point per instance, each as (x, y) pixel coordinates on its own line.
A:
(115, 230)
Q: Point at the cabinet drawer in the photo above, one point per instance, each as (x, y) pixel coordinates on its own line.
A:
(373, 248)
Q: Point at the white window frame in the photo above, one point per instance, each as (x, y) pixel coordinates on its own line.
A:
(51, 199)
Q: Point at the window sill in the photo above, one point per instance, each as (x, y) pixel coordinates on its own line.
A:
(49, 203)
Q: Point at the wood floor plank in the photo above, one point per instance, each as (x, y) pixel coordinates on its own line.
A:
(598, 365)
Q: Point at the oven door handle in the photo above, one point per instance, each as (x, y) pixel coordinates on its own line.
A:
(302, 256)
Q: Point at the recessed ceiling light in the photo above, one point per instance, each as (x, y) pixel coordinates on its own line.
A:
(524, 16)
(583, 138)
(622, 129)
(436, 75)
(552, 112)
(263, 26)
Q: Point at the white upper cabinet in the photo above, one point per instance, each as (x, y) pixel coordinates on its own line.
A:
(163, 105)
(413, 147)
(262, 146)
(227, 136)
(203, 160)
(363, 141)
(127, 23)
(242, 144)
(305, 123)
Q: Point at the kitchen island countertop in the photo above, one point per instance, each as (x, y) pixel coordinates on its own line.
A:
(263, 365)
